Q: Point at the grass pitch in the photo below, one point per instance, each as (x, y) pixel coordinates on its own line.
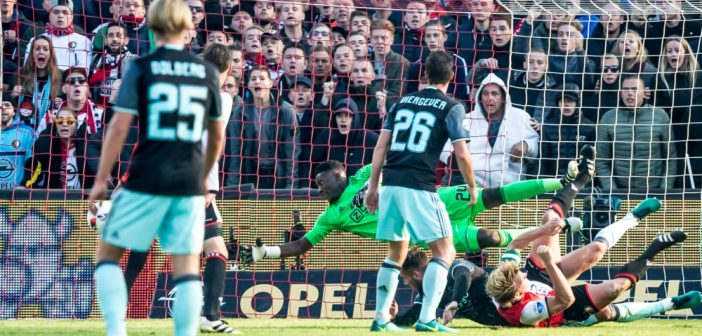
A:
(274, 327)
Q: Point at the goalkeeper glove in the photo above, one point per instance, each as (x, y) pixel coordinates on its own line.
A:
(253, 254)
(570, 174)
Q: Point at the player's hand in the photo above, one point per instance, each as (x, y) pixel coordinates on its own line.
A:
(553, 226)
(381, 97)
(114, 90)
(394, 309)
(209, 197)
(518, 151)
(97, 194)
(450, 311)
(254, 253)
(544, 252)
(372, 200)
(473, 191)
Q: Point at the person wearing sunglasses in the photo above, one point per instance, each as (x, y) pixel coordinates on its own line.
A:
(606, 94)
(60, 160)
(130, 14)
(197, 10)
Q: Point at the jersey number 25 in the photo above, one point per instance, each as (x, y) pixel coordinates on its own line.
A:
(418, 125)
(183, 100)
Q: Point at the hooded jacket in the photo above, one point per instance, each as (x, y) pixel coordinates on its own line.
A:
(492, 163)
(634, 149)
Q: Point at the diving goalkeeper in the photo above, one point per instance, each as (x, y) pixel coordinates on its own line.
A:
(346, 211)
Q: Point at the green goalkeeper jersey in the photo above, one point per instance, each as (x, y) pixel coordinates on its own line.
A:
(349, 214)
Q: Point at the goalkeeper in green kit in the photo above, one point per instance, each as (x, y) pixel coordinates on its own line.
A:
(346, 211)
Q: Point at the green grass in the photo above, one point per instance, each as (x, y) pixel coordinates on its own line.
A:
(339, 327)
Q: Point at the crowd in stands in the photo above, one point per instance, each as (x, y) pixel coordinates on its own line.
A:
(313, 81)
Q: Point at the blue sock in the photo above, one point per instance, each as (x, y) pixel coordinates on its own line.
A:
(112, 295)
(187, 305)
(385, 288)
(433, 283)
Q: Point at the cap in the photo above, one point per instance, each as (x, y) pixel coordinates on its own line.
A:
(342, 31)
(269, 35)
(345, 105)
(67, 3)
(569, 90)
(304, 80)
(71, 70)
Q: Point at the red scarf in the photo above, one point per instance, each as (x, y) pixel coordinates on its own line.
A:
(51, 30)
(131, 21)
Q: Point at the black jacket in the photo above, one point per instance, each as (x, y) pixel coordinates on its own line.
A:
(561, 139)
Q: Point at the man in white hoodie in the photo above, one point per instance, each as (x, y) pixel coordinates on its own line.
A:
(501, 136)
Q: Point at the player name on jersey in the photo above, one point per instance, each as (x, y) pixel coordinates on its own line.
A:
(182, 69)
(421, 101)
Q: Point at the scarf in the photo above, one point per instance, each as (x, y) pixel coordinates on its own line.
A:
(84, 115)
(131, 21)
(55, 31)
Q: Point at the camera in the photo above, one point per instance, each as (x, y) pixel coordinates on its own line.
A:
(598, 212)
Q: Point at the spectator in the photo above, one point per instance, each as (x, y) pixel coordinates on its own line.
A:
(237, 62)
(312, 120)
(473, 36)
(359, 44)
(16, 141)
(564, 132)
(320, 35)
(606, 33)
(338, 35)
(343, 58)
(346, 140)
(39, 85)
(10, 70)
(531, 89)
(540, 29)
(634, 56)
(253, 49)
(342, 14)
(501, 33)
(197, 9)
(570, 64)
(273, 52)
(606, 95)
(241, 20)
(60, 160)
(634, 149)
(75, 88)
(320, 68)
(363, 90)
(323, 12)
(262, 141)
(672, 23)
(294, 64)
(408, 41)
(292, 15)
(389, 66)
(107, 65)
(217, 36)
(132, 15)
(219, 13)
(501, 136)
(16, 31)
(231, 86)
(679, 91)
(264, 16)
(382, 10)
(434, 38)
(360, 22)
(71, 48)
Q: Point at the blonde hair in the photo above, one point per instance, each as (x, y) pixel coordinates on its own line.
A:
(641, 58)
(169, 17)
(688, 68)
(500, 285)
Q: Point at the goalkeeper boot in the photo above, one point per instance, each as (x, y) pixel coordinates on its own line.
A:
(646, 207)
(689, 300)
(387, 327)
(216, 326)
(586, 161)
(433, 326)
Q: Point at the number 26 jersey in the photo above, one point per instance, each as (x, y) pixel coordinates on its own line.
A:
(174, 93)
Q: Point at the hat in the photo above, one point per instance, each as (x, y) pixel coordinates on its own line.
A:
(304, 80)
(569, 90)
(345, 105)
(67, 3)
(7, 97)
(71, 70)
(342, 31)
(269, 35)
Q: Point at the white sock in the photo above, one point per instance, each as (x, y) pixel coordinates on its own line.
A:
(632, 311)
(434, 283)
(611, 234)
(385, 287)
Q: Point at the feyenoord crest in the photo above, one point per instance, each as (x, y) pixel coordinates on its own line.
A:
(72, 44)
(26, 109)
(15, 143)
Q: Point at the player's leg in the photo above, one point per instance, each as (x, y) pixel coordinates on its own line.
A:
(604, 293)
(213, 278)
(132, 224)
(135, 264)
(575, 263)
(391, 228)
(430, 223)
(632, 311)
(561, 202)
(182, 235)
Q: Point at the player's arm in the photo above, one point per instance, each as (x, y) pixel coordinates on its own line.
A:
(563, 297)
(321, 229)
(410, 316)
(460, 136)
(215, 128)
(379, 154)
